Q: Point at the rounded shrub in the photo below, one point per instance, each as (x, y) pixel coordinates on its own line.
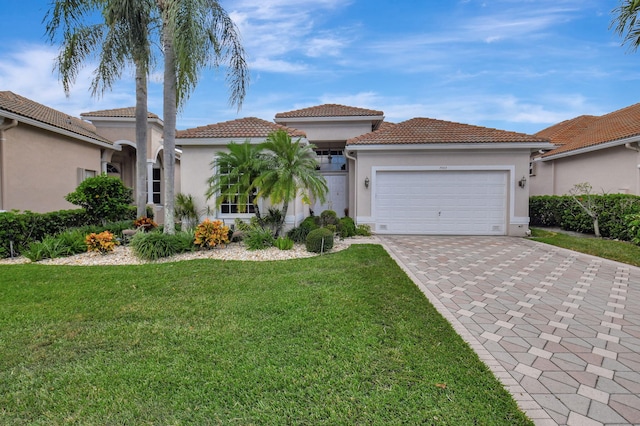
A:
(347, 227)
(329, 217)
(319, 240)
(105, 198)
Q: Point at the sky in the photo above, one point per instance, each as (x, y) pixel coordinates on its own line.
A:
(519, 65)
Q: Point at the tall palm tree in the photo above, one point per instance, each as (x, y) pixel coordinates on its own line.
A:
(123, 37)
(235, 174)
(292, 171)
(195, 33)
(626, 24)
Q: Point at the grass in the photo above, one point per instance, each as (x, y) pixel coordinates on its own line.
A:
(620, 251)
(340, 339)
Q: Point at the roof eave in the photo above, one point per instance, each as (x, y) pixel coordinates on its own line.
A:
(591, 148)
(530, 146)
(194, 141)
(59, 130)
(329, 118)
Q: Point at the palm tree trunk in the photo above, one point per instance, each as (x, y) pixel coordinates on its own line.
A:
(285, 207)
(169, 133)
(141, 141)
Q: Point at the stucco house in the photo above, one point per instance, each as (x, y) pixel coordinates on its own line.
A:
(602, 150)
(421, 176)
(45, 153)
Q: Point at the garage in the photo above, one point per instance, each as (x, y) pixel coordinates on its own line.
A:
(440, 202)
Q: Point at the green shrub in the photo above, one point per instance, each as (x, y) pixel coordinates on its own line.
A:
(62, 245)
(346, 227)
(104, 198)
(284, 243)
(258, 238)
(328, 217)
(299, 233)
(211, 233)
(319, 240)
(156, 245)
(562, 211)
(186, 210)
(363, 230)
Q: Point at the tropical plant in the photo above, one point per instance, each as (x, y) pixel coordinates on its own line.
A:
(104, 198)
(626, 24)
(122, 37)
(291, 171)
(156, 245)
(103, 242)
(235, 174)
(210, 234)
(146, 223)
(186, 210)
(283, 243)
(194, 33)
(258, 238)
(582, 194)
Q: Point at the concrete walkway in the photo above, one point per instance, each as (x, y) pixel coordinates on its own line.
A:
(560, 329)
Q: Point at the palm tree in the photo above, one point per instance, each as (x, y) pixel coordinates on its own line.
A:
(123, 37)
(292, 171)
(195, 33)
(235, 174)
(625, 22)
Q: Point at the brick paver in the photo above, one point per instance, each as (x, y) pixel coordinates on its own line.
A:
(560, 329)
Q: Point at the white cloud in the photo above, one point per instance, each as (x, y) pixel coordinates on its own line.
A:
(29, 71)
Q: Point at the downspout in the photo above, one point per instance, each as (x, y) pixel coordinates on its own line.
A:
(3, 127)
(635, 148)
(355, 184)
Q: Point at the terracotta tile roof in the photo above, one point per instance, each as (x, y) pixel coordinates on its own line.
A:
(249, 127)
(329, 110)
(564, 131)
(432, 131)
(620, 124)
(129, 112)
(27, 108)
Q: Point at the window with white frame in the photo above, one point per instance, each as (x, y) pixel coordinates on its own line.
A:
(230, 204)
(85, 174)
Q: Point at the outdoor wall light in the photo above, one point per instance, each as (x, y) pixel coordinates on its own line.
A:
(522, 182)
(366, 182)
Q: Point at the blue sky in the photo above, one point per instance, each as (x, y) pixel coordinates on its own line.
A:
(518, 65)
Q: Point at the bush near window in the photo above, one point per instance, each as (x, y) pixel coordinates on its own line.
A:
(210, 234)
(105, 198)
(319, 240)
(259, 238)
(562, 211)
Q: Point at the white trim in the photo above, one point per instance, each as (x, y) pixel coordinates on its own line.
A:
(591, 148)
(512, 220)
(218, 141)
(451, 146)
(93, 118)
(54, 129)
(519, 220)
(122, 142)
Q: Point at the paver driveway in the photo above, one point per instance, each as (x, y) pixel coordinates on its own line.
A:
(560, 329)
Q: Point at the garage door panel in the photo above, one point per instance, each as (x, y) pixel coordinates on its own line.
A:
(441, 202)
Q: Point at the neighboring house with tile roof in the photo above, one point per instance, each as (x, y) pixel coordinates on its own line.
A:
(421, 176)
(602, 150)
(45, 153)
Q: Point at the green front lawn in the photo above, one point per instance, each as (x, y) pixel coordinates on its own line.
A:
(620, 251)
(339, 339)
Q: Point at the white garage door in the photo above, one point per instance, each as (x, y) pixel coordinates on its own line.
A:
(441, 202)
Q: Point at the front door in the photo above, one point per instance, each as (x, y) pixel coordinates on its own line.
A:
(336, 197)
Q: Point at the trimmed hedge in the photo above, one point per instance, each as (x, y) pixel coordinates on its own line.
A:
(28, 227)
(562, 211)
(319, 240)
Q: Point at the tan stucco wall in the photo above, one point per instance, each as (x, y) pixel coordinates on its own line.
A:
(518, 160)
(611, 170)
(42, 167)
(332, 130)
